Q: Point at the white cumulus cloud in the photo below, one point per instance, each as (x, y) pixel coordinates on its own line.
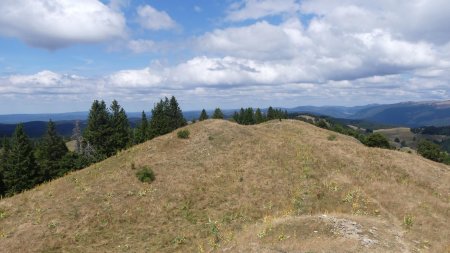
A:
(54, 24)
(256, 9)
(152, 19)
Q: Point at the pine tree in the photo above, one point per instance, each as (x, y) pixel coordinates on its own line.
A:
(98, 130)
(160, 121)
(259, 118)
(3, 165)
(2, 184)
(218, 114)
(22, 171)
(236, 117)
(203, 115)
(176, 115)
(241, 118)
(120, 127)
(49, 154)
(249, 117)
(271, 113)
(142, 131)
(166, 117)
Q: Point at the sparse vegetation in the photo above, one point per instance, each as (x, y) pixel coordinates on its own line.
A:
(183, 134)
(145, 175)
(408, 221)
(332, 137)
(292, 177)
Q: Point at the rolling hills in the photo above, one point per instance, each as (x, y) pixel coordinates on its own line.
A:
(281, 186)
(411, 114)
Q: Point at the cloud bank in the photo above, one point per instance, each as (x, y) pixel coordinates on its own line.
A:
(54, 24)
(318, 51)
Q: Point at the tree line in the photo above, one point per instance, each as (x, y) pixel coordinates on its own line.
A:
(250, 117)
(24, 164)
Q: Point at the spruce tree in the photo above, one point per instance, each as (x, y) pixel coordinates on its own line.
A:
(236, 117)
(142, 131)
(160, 121)
(2, 184)
(21, 172)
(50, 153)
(203, 116)
(4, 151)
(249, 117)
(259, 118)
(271, 113)
(175, 115)
(218, 114)
(98, 130)
(241, 118)
(120, 127)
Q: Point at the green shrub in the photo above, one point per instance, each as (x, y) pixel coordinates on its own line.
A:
(183, 134)
(408, 221)
(332, 137)
(377, 140)
(145, 175)
(430, 151)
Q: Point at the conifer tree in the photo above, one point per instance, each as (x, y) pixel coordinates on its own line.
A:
(241, 118)
(142, 131)
(50, 153)
(2, 184)
(175, 115)
(249, 117)
(3, 165)
(22, 171)
(120, 127)
(160, 121)
(98, 130)
(218, 114)
(271, 113)
(236, 117)
(203, 115)
(259, 118)
(166, 117)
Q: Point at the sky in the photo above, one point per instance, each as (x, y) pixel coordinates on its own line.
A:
(60, 55)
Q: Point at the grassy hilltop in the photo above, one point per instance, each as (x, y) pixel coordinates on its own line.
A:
(275, 187)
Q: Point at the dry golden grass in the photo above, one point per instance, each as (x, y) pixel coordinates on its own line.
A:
(235, 188)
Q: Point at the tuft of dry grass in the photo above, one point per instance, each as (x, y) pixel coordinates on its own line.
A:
(231, 187)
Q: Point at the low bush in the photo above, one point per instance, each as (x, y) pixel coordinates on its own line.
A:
(332, 137)
(430, 151)
(183, 134)
(377, 140)
(145, 175)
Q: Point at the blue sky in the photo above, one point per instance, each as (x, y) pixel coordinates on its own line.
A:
(229, 53)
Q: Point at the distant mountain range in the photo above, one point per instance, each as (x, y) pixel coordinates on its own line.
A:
(408, 114)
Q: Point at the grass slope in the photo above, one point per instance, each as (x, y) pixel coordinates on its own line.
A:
(275, 187)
